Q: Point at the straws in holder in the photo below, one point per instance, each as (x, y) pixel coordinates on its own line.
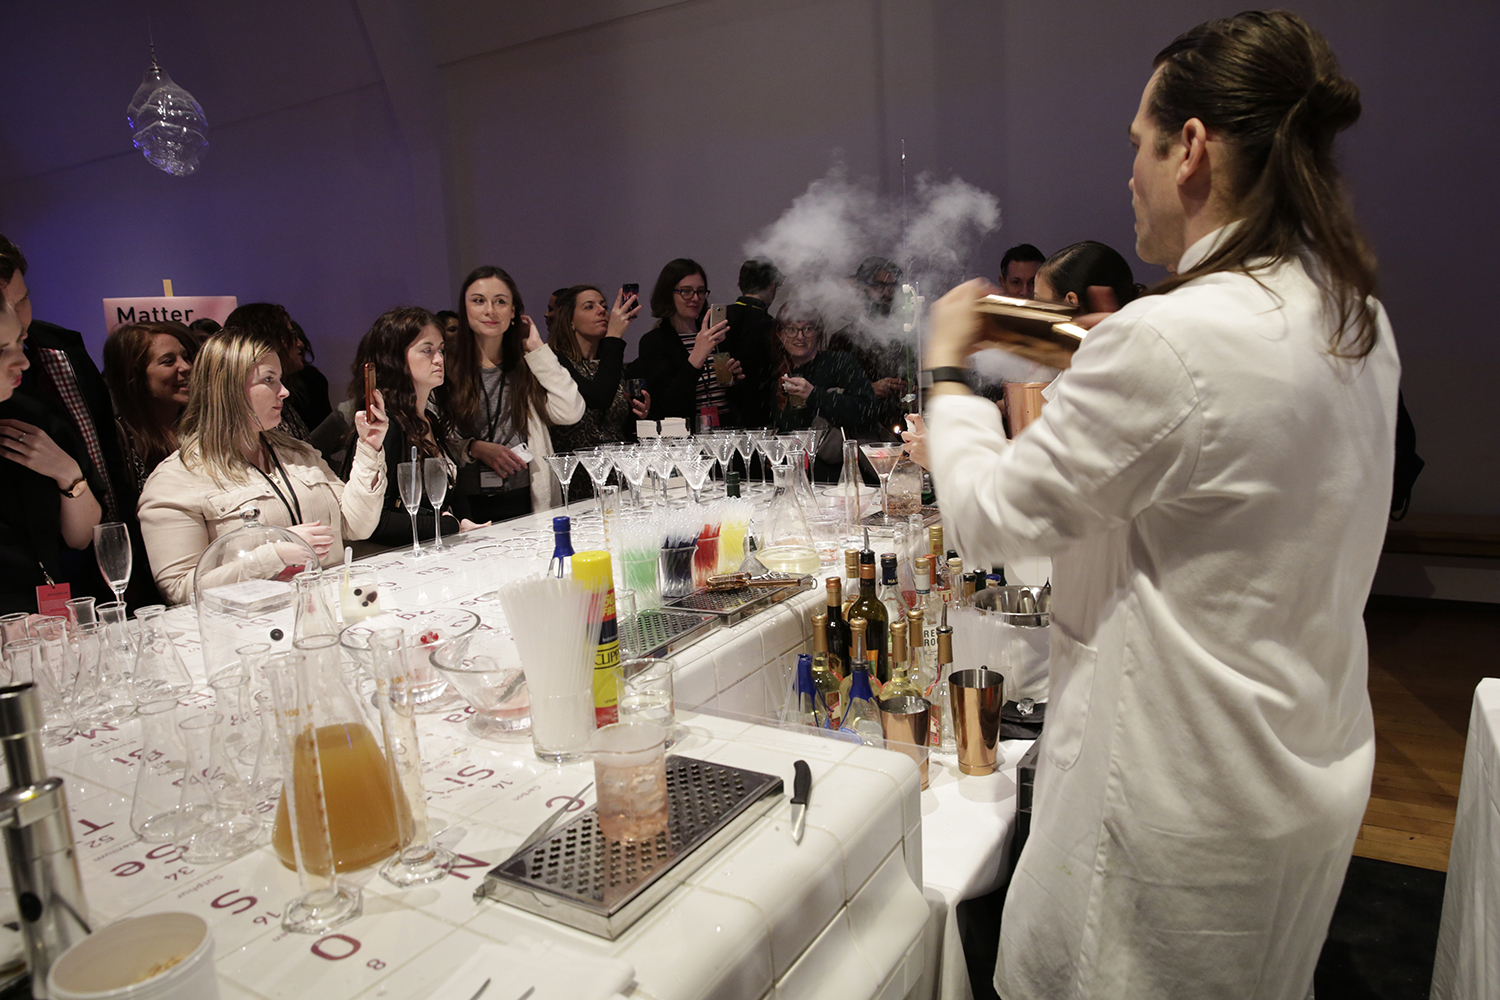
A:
(555, 624)
(640, 549)
(734, 521)
(679, 549)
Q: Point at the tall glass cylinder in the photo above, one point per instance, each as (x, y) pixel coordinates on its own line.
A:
(419, 860)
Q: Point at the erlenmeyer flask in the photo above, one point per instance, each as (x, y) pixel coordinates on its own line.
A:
(419, 859)
(326, 902)
(356, 787)
(159, 772)
(788, 541)
(214, 821)
(797, 460)
(159, 671)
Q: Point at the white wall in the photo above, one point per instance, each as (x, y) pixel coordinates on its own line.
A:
(594, 140)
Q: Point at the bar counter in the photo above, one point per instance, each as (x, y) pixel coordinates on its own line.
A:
(843, 910)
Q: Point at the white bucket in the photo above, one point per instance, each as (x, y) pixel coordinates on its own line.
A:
(114, 962)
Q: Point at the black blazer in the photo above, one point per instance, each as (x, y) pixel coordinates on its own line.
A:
(670, 376)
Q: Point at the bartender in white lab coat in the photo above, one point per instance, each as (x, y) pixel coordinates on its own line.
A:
(1212, 483)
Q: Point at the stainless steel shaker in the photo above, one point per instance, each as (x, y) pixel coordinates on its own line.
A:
(38, 839)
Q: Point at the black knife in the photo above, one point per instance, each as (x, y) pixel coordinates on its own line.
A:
(801, 785)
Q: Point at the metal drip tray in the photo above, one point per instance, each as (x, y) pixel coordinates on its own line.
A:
(875, 519)
(661, 632)
(734, 606)
(579, 878)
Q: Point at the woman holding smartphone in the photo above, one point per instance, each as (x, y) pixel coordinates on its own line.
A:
(676, 356)
(589, 338)
(506, 392)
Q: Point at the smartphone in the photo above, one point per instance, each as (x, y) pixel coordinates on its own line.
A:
(369, 386)
(626, 291)
(717, 314)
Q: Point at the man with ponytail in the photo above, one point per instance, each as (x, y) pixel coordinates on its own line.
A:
(1212, 482)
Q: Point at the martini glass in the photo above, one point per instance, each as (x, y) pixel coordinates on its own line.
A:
(597, 464)
(695, 471)
(631, 463)
(740, 441)
(883, 458)
(564, 467)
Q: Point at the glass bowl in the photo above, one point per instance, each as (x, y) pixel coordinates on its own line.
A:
(425, 632)
(486, 670)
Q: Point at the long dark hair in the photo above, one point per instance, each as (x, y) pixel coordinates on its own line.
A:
(1088, 262)
(270, 320)
(1270, 85)
(564, 337)
(663, 302)
(524, 395)
(127, 354)
(386, 344)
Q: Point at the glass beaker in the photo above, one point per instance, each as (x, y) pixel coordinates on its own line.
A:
(788, 544)
(326, 901)
(160, 767)
(215, 820)
(159, 670)
(419, 860)
(314, 609)
(356, 788)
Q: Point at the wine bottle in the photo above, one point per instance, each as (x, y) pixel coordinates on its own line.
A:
(561, 565)
(901, 684)
(862, 716)
(824, 679)
(940, 734)
(732, 485)
(811, 710)
(867, 606)
(851, 579)
(889, 592)
(837, 630)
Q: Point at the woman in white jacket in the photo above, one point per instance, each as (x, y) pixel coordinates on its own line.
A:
(505, 390)
(1212, 483)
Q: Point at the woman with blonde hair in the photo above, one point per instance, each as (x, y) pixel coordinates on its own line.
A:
(233, 456)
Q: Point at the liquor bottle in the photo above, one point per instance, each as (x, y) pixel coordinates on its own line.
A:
(851, 578)
(901, 684)
(923, 666)
(862, 716)
(732, 485)
(928, 603)
(867, 606)
(940, 735)
(939, 557)
(962, 587)
(561, 565)
(824, 679)
(890, 592)
(997, 576)
(811, 709)
(837, 630)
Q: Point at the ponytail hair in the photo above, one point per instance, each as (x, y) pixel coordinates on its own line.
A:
(1270, 86)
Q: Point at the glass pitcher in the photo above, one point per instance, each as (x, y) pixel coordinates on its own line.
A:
(788, 544)
(357, 795)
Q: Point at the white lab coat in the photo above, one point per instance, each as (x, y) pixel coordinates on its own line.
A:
(1213, 489)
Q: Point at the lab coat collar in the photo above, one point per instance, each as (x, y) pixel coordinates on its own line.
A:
(1199, 251)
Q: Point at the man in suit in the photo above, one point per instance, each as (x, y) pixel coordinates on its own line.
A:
(64, 376)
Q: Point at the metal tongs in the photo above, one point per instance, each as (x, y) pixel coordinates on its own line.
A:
(739, 581)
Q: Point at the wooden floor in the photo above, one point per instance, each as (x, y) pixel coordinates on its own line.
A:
(1425, 659)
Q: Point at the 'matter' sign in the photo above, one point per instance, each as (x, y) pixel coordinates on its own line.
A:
(162, 309)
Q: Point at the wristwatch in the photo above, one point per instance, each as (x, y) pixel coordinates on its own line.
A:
(75, 488)
(950, 373)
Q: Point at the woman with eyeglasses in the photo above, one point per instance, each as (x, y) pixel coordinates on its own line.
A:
(814, 387)
(675, 355)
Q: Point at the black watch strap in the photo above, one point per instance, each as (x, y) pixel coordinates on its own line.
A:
(950, 373)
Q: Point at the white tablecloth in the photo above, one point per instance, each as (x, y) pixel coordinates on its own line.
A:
(1467, 966)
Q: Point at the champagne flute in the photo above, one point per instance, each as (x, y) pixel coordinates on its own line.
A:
(112, 550)
(409, 481)
(435, 472)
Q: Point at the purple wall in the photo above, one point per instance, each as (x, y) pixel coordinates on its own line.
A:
(370, 152)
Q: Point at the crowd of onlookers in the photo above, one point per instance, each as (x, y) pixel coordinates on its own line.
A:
(188, 425)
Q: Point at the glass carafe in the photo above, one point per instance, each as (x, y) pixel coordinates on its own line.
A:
(788, 544)
(358, 799)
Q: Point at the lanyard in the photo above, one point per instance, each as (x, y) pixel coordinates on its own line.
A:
(294, 506)
(492, 408)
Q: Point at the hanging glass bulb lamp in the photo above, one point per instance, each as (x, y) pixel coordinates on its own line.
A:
(167, 123)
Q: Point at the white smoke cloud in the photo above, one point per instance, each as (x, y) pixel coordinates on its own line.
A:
(837, 222)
